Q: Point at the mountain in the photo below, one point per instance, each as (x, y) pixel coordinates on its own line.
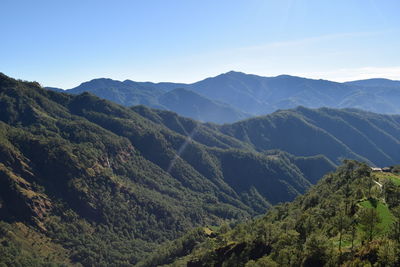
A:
(55, 89)
(337, 134)
(260, 95)
(86, 181)
(190, 104)
(244, 95)
(347, 219)
(377, 82)
(167, 96)
(126, 93)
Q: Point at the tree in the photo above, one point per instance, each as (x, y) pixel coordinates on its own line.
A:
(316, 250)
(353, 232)
(287, 250)
(343, 222)
(391, 193)
(387, 253)
(369, 219)
(395, 227)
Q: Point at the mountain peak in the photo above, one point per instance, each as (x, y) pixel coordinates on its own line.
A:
(233, 73)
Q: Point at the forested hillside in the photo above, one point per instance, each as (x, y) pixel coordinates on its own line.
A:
(206, 133)
(350, 218)
(337, 134)
(333, 133)
(84, 180)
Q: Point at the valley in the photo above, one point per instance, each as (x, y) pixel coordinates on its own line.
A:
(205, 133)
(87, 181)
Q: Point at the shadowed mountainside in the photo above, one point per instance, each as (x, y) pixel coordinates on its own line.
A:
(81, 170)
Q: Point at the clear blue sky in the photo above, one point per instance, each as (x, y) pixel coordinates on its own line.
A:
(63, 43)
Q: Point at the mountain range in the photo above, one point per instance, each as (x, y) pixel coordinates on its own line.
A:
(84, 180)
(234, 96)
(77, 169)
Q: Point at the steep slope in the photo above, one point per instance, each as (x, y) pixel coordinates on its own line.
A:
(337, 134)
(345, 220)
(167, 96)
(190, 104)
(245, 92)
(101, 184)
(261, 95)
(203, 133)
(127, 93)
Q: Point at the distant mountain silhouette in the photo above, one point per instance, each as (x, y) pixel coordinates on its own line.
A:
(261, 95)
(243, 95)
(377, 82)
(127, 93)
(168, 96)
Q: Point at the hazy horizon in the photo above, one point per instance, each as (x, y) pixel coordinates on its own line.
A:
(190, 82)
(64, 44)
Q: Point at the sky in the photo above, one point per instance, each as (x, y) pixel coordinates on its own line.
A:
(63, 43)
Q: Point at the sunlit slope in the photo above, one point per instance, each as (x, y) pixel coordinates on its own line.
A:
(347, 219)
(108, 184)
(337, 134)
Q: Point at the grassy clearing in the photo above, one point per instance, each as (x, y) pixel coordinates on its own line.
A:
(395, 180)
(383, 211)
(382, 176)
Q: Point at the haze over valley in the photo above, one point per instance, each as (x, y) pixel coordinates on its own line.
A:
(200, 133)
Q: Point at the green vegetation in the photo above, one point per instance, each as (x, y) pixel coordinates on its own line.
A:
(22, 246)
(340, 222)
(106, 185)
(336, 134)
(395, 180)
(85, 181)
(385, 216)
(384, 176)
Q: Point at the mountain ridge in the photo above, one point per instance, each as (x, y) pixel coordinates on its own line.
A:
(252, 95)
(77, 169)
